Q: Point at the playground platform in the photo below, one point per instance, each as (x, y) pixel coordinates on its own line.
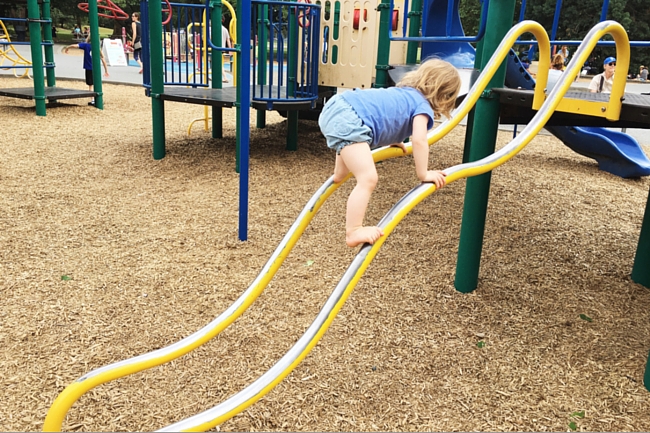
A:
(227, 97)
(516, 108)
(52, 94)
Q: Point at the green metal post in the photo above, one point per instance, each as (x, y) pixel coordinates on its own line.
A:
(93, 21)
(484, 133)
(646, 375)
(470, 117)
(37, 56)
(262, 56)
(157, 78)
(415, 22)
(641, 268)
(49, 50)
(292, 81)
(217, 65)
(383, 45)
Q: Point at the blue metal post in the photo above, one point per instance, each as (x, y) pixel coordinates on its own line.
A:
(243, 110)
(217, 63)
(556, 21)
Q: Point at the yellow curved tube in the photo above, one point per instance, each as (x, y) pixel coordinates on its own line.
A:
(611, 110)
(4, 54)
(417, 195)
(73, 392)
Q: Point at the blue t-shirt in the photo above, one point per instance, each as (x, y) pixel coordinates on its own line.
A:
(88, 60)
(389, 112)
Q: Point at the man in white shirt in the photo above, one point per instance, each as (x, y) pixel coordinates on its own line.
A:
(602, 83)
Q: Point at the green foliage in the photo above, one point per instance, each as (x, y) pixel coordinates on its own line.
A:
(586, 318)
(576, 19)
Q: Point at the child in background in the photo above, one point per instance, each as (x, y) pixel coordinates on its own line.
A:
(355, 122)
(88, 63)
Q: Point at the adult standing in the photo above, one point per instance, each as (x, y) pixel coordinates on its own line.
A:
(602, 83)
(136, 39)
(555, 72)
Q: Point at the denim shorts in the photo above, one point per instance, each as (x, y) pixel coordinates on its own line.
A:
(341, 125)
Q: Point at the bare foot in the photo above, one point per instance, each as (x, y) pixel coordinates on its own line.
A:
(362, 235)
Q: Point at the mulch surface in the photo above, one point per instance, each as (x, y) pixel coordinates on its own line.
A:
(107, 254)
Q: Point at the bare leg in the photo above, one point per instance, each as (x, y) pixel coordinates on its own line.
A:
(340, 169)
(358, 159)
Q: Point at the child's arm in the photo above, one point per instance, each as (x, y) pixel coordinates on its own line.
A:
(65, 50)
(421, 153)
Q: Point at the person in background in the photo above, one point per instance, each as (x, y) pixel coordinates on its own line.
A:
(602, 83)
(88, 63)
(554, 74)
(136, 40)
(643, 74)
(564, 52)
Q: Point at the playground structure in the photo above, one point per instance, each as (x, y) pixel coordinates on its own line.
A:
(475, 170)
(8, 53)
(39, 20)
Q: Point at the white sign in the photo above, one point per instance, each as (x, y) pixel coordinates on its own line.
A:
(114, 52)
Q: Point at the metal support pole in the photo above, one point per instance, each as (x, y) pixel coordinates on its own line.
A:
(217, 65)
(95, 49)
(243, 110)
(470, 117)
(157, 78)
(641, 268)
(415, 24)
(292, 80)
(49, 50)
(262, 56)
(34, 16)
(383, 45)
(483, 140)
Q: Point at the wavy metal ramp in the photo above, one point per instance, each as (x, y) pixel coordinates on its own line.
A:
(299, 351)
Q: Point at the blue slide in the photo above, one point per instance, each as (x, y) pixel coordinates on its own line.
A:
(615, 152)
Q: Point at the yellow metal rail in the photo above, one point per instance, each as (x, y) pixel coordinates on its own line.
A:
(6, 54)
(74, 391)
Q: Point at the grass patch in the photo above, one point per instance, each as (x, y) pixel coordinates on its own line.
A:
(64, 36)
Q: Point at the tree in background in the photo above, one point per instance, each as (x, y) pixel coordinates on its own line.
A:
(576, 19)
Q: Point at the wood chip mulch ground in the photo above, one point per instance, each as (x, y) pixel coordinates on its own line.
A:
(107, 254)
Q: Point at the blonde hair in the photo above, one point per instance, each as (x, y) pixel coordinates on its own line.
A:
(558, 62)
(438, 81)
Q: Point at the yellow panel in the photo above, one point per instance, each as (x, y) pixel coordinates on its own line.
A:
(586, 108)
